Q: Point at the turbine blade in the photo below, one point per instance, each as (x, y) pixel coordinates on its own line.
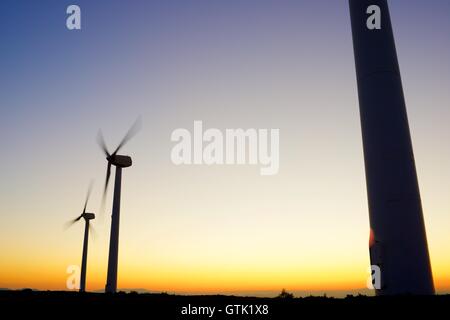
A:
(130, 134)
(92, 231)
(108, 175)
(101, 143)
(87, 196)
(70, 223)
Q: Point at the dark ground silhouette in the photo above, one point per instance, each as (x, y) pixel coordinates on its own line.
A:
(165, 306)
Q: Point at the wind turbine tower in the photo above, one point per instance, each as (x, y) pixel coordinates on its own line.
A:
(398, 243)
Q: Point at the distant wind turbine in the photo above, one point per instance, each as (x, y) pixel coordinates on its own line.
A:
(87, 226)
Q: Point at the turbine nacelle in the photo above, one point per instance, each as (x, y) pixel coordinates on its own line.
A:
(120, 161)
(88, 216)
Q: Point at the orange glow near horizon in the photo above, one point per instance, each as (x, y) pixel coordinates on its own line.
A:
(196, 280)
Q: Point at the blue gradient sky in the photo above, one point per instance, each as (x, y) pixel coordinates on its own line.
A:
(249, 64)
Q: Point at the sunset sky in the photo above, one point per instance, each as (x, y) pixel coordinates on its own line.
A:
(232, 64)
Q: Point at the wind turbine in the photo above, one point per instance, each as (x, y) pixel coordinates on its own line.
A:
(87, 226)
(119, 161)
